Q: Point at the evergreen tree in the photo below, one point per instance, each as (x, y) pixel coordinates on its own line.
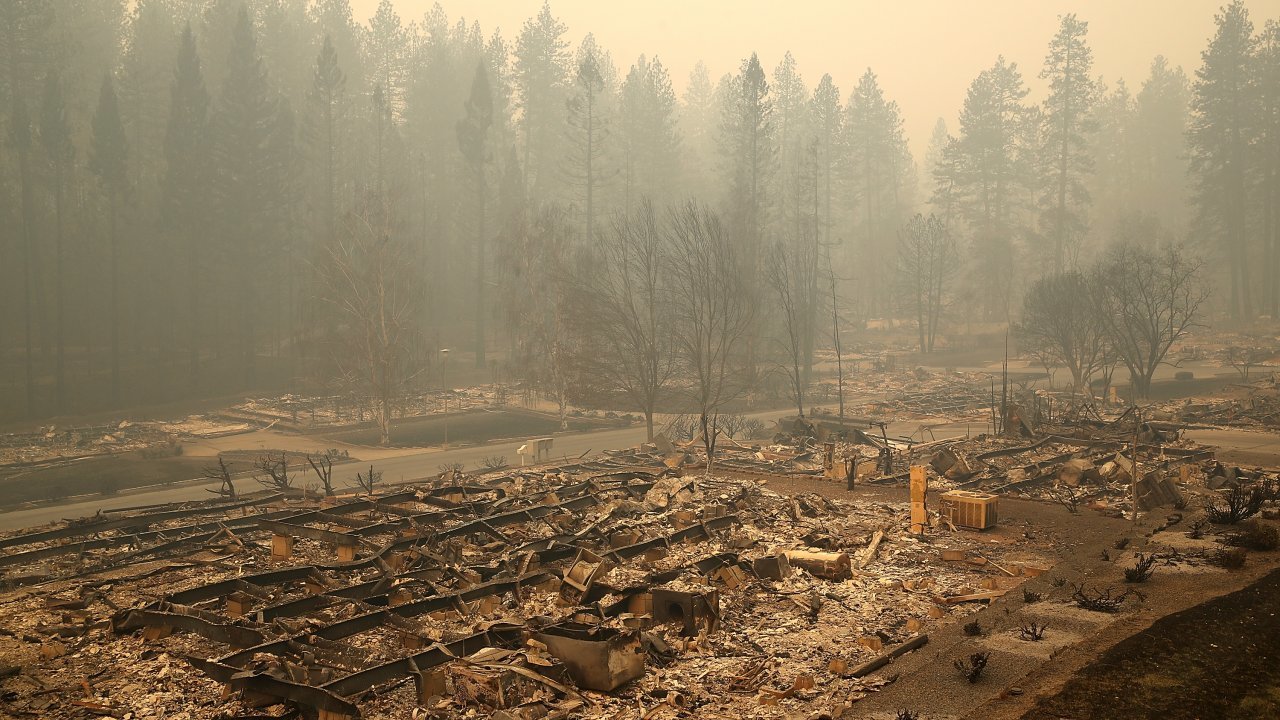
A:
(879, 172)
(699, 123)
(541, 62)
(942, 163)
(108, 157)
(793, 137)
(1115, 148)
(1267, 159)
(587, 131)
(55, 137)
(749, 150)
(387, 44)
(1220, 135)
(1160, 125)
(186, 174)
(824, 109)
(473, 141)
(992, 158)
(244, 184)
(1065, 160)
(328, 104)
(651, 144)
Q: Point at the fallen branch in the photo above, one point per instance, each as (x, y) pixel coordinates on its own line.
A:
(869, 555)
(871, 666)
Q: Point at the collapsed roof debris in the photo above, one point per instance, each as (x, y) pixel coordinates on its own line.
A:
(577, 591)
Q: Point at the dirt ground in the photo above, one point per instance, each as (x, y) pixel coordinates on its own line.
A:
(1088, 658)
(1215, 660)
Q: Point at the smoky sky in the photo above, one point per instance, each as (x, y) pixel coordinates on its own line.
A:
(925, 52)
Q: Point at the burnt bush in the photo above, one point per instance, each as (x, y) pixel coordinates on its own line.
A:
(1241, 503)
(1257, 535)
(1141, 572)
(971, 667)
(1031, 596)
(1197, 529)
(972, 629)
(1104, 600)
(1032, 631)
(1230, 558)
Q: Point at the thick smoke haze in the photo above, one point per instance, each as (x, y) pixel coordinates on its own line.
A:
(925, 52)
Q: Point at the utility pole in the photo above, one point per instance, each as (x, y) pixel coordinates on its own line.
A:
(444, 366)
(835, 325)
(1137, 426)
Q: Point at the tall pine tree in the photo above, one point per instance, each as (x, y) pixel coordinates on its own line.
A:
(244, 185)
(1065, 161)
(1219, 136)
(185, 202)
(108, 157)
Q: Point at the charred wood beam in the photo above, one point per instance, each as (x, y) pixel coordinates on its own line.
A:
(504, 635)
(306, 695)
(115, 523)
(223, 587)
(233, 635)
(189, 534)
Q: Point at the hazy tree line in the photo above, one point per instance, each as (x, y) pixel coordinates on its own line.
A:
(210, 196)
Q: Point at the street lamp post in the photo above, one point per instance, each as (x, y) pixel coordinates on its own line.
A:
(444, 366)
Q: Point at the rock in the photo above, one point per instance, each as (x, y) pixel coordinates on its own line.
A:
(1073, 471)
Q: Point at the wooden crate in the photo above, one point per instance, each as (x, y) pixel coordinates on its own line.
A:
(969, 509)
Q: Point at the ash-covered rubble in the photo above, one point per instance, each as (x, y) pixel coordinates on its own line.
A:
(57, 443)
(580, 591)
(1078, 463)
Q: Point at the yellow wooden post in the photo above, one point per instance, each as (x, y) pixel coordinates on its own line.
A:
(919, 486)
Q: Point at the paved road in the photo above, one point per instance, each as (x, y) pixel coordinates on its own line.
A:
(418, 464)
(413, 465)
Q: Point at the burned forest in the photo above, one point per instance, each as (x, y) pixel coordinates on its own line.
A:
(565, 360)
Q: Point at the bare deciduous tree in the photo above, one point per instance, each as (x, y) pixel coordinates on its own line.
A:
(276, 470)
(628, 308)
(792, 275)
(713, 312)
(1061, 325)
(1147, 299)
(323, 468)
(545, 341)
(366, 482)
(927, 263)
(369, 278)
(223, 474)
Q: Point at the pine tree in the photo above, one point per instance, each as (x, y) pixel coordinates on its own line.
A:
(1115, 146)
(793, 137)
(749, 150)
(942, 164)
(541, 62)
(108, 157)
(992, 155)
(186, 173)
(1267, 159)
(699, 123)
(1065, 160)
(473, 141)
(328, 104)
(55, 137)
(587, 133)
(244, 183)
(879, 171)
(651, 144)
(826, 118)
(1220, 135)
(1160, 126)
(387, 44)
